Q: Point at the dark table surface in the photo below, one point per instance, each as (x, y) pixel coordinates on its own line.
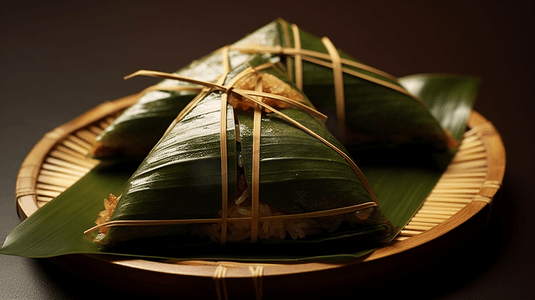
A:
(59, 60)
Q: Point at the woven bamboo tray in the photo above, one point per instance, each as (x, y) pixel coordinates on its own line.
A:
(457, 208)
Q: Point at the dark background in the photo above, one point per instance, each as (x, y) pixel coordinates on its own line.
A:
(58, 60)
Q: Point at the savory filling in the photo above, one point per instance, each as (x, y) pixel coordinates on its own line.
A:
(271, 85)
(105, 215)
(295, 228)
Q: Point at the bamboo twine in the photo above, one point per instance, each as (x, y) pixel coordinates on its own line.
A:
(219, 278)
(255, 193)
(224, 168)
(298, 58)
(256, 274)
(338, 87)
(315, 214)
(286, 34)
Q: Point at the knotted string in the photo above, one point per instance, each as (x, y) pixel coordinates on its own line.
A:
(338, 87)
(219, 277)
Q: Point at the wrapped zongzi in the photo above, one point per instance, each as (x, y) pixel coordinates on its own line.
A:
(367, 108)
(250, 161)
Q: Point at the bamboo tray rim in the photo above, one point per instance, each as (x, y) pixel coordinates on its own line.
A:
(481, 205)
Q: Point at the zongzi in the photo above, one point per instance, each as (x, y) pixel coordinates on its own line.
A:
(367, 108)
(246, 163)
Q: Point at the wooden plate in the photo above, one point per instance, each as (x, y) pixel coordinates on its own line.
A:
(458, 208)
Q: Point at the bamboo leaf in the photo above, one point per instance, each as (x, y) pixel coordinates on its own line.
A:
(450, 97)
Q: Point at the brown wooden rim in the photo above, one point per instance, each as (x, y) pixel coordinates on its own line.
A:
(26, 204)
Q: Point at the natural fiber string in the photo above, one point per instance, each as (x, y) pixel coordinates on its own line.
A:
(479, 198)
(256, 275)
(316, 214)
(220, 286)
(338, 87)
(224, 169)
(255, 185)
(286, 34)
(297, 57)
(491, 184)
(309, 110)
(224, 154)
(226, 60)
(309, 54)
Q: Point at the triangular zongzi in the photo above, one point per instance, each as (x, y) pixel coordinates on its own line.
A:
(269, 170)
(367, 108)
